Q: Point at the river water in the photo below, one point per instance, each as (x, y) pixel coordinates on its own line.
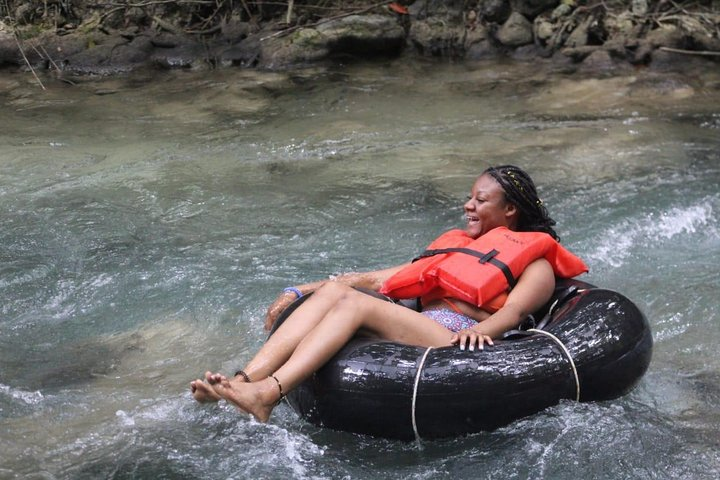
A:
(146, 222)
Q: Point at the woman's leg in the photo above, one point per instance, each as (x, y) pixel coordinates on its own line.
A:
(281, 344)
(352, 312)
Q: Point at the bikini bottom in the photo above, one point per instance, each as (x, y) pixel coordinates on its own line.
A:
(450, 319)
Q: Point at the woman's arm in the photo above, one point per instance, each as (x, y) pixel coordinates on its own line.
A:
(534, 288)
(371, 280)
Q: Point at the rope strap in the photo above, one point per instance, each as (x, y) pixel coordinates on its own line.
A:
(415, 389)
(567, 354)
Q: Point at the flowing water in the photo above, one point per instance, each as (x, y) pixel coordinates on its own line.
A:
(147, 221)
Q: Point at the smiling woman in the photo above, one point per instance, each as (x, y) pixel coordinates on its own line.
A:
(589, 344)
(519, 267)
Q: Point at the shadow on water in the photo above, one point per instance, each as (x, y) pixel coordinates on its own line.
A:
(52, 366)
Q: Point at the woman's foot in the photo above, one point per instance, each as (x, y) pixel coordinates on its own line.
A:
(257, 398)
(203, 392)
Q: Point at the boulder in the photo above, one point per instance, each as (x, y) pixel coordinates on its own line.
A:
(118, 56)
(562, 10)
(448, 10)
(532, 8)
(669, 61)
(302, 46)
(363, 34)
(479, 45)
(234, 30)
(435, 37)
(496, 11)
(544, 30)
(579, 36)
(516, 31)
(9, 53)
(599, 61)
(243, 54)
(192, 56)
(665, 36)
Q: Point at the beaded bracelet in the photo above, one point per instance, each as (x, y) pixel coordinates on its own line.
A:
(294, 290)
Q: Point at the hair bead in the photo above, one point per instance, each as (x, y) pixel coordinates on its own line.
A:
(520, 191)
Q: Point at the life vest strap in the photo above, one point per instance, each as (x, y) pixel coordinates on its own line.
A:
(488, 257)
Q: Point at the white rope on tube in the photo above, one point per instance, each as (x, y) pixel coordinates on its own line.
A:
(567, 354)
(415, 389)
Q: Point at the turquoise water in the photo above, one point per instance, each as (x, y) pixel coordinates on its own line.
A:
(147, 221)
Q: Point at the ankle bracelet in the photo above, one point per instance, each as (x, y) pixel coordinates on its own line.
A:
(245, 376)
(282, 394)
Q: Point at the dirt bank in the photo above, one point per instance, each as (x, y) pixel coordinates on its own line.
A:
(101, 37)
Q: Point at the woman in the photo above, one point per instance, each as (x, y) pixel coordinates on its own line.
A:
(503, 200)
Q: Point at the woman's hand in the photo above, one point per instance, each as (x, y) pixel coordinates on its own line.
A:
(276, 308)
(471, 338)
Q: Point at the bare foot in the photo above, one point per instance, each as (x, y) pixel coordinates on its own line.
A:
(202, 391)
(257, 398)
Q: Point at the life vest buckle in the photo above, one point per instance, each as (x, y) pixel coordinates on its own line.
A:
(488, 256)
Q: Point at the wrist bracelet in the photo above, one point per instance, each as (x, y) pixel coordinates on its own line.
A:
(294, 290)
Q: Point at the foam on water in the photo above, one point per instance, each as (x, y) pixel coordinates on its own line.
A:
(649, 230)
(25, 397)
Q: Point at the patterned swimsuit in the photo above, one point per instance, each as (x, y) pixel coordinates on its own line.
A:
(453, 321)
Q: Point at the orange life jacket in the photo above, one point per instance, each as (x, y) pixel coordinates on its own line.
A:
(478, 270)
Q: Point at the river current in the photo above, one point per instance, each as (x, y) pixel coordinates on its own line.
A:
(147, 221)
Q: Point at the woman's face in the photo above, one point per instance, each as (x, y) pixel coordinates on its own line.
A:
(487, 209)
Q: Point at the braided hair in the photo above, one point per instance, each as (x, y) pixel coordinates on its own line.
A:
(520, 191)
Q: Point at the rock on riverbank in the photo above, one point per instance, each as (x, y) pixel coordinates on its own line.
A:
(114, 38)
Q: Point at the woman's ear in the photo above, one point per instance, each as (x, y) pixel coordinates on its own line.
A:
(510, 210)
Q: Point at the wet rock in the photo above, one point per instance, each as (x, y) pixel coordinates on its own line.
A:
(479, 45)
(366, 34)
(482, 51)
(643, 53)
(621, 25)
(578, 54)
(544, 30)
(435, 37)
(9, 53)
(532, 8)
(497, 11)
(105, 60)
(529, 52)
(598, 61)
(136, 16)
(234, 30)
(665, 36)
(669, 61)
(170, 40)
(579, 36)
(190, 56)
(560, 59)
(243, 54)
(516, 31)
(699, 36)
(448, 10)
(639, 7)
(562, 10)
(302, 46)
